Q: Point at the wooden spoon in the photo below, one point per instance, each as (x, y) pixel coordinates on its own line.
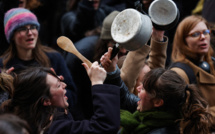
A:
(67, 45)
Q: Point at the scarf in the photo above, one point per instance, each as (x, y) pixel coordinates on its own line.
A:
(144, 122)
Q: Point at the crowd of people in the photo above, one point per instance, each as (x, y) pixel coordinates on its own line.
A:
(164, 87)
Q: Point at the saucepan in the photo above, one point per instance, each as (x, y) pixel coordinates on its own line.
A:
(164, 14)
(131, 29)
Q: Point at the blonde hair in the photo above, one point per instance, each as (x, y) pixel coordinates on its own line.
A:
(39, 53)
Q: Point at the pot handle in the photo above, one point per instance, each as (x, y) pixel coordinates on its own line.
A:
(114, 51)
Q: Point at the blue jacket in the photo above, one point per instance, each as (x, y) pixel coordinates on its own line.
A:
(128, 101)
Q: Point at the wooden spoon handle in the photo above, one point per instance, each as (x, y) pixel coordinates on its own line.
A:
(67, 45)
(83, 59)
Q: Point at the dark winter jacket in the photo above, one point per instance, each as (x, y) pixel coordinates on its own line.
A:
(105, 120)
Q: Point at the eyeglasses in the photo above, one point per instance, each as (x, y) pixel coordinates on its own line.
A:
(198, 33)
(25, 30)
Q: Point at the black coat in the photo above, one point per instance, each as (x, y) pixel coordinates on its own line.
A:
(105, 120)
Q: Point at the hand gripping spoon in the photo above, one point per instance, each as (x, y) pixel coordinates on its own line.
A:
(67, 45)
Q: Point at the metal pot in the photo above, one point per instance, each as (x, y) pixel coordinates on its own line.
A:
(131, 29)
(164, 14)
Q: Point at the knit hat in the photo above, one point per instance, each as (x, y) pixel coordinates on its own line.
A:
(16, 18)
(106, 26)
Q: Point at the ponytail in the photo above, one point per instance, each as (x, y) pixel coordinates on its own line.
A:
(195, 115)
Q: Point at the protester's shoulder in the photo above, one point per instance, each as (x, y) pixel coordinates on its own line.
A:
(55, 57)
(52, 53)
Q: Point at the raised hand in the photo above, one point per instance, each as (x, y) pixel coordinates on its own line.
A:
(157, 34)
(96, 73)
(107, 64)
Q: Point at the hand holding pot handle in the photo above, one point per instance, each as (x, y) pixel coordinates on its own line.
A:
(109, 64)
(157, 34)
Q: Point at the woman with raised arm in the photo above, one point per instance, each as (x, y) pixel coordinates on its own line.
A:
(39, 91)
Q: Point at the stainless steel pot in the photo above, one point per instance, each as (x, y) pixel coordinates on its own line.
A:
(131, 29)
(164, 14)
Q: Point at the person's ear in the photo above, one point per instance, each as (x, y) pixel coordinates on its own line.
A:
(158, 102)
(47, 102)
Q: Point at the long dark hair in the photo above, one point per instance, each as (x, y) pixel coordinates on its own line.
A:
(39, 53)
(30, 92)
(178, 96)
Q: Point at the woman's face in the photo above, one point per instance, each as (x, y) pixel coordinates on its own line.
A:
(199, 44)
(26, 37)
(140, 78)
(57, 91)
(145, 102)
